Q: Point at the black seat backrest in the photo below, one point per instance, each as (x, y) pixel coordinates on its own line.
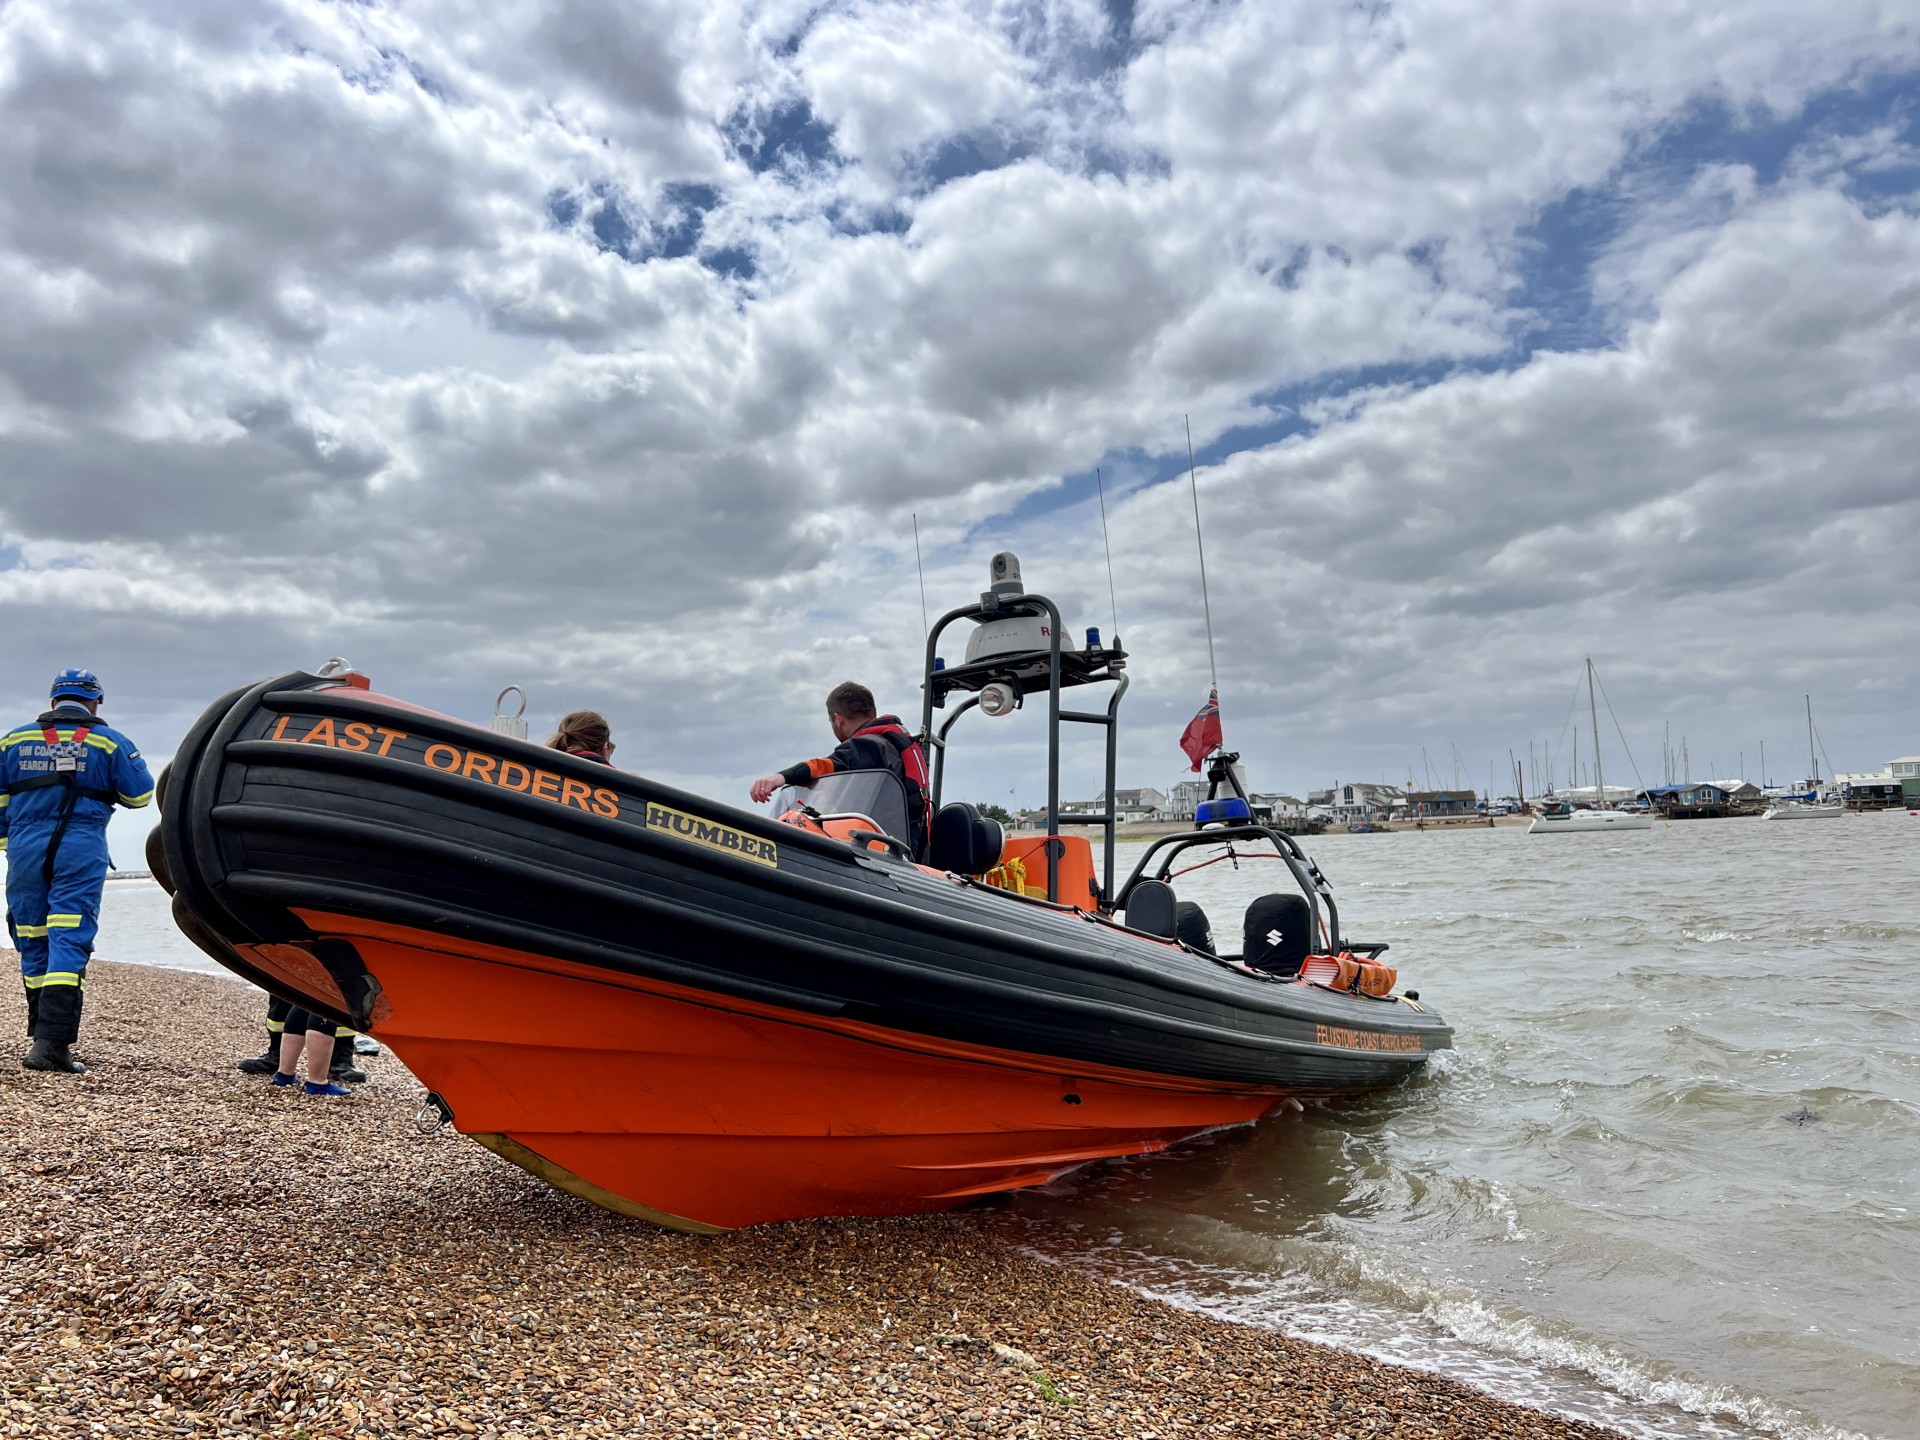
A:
(1191, 926)
(1279, 934)
(1151, 907)
(964, 841)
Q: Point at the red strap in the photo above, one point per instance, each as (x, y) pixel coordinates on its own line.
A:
(80, 734)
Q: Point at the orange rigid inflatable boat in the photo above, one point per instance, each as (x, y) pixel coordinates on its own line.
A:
(708, 1017)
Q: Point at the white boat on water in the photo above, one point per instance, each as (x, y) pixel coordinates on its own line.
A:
(1569, 821)
(1564, 819)
(1802, 810)
(1810, 808)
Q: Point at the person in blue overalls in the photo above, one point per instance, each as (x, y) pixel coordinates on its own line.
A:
(61, 776)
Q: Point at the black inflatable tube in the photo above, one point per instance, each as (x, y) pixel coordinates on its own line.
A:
(889, 922)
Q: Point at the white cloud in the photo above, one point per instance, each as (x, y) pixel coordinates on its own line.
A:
(894, 78)
(405, 331)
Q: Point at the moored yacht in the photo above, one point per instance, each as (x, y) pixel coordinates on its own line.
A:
(1791, 808)
(1564, 819)
(1567, 820)
(1809, 806)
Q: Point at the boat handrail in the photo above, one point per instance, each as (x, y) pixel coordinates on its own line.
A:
(1306, 873)
(1026, 672)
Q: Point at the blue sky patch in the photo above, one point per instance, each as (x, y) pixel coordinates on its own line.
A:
(975, 153)
(609, 224)
(1560, 248)
(790, 135)
(732, 261)
(683, 215)
(863, 220)
(672, 232)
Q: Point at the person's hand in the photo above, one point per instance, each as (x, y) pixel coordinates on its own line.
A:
(764, 787)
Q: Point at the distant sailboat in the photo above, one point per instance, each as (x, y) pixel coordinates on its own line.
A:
(1566, 820)
(1807, 809)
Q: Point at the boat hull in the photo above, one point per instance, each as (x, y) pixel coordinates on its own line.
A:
(663, 1103)
(701, 1016)
(1588, 822)
(1804, 812)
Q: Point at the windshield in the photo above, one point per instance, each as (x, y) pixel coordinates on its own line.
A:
(876, 794)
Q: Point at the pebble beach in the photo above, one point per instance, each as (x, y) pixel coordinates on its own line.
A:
(190, 1252)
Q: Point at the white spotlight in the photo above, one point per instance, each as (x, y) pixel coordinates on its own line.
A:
(999, 698)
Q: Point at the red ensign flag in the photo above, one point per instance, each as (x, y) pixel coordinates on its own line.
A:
(1203, 731)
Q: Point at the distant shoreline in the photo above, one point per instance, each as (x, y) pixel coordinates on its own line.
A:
(1159, 829)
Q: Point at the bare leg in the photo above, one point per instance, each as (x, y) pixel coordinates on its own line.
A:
(319, 1056)
(290, 1045)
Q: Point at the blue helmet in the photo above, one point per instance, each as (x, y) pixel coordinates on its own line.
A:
(77, 685)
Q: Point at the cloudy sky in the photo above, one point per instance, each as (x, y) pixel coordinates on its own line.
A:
(610, 348)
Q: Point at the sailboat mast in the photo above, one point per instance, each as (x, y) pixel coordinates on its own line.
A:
(1593, 713)
(1811, 757)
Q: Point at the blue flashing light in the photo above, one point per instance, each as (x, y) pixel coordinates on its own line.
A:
(1093, 637)
(1230, 811)
(938, 663)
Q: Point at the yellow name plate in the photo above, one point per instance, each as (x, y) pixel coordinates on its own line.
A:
(696, 831)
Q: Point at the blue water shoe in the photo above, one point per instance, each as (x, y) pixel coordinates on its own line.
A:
(328, 1089)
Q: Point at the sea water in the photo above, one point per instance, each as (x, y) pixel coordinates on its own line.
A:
(136, 927)
(1668, 1180)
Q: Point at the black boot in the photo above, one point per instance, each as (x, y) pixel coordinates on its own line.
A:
(262, 1064)
(54, 1055)
(56, 1025)
(277, 1012)
(267, 1064)
(341, 1070)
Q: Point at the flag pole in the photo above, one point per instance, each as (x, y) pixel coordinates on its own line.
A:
(1193, 481)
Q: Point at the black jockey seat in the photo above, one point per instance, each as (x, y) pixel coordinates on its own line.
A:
(1192, 928)
(964, 841)
(1151, 908)
(1279, 934)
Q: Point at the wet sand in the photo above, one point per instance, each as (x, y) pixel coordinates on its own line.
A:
(191, 1252)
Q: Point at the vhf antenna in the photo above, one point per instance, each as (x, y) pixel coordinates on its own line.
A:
(1108, 544)
(1213, 670)
(921, 567)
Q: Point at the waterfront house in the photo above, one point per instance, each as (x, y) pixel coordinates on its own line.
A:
(1702, 800)
(1877, 790)
(1360, 800)
(1145, 803)
(1184, 796)
(1907, 771)
(1419, 804)
(1269, 806)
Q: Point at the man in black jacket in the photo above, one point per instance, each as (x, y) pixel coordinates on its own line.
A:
(868, 741)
